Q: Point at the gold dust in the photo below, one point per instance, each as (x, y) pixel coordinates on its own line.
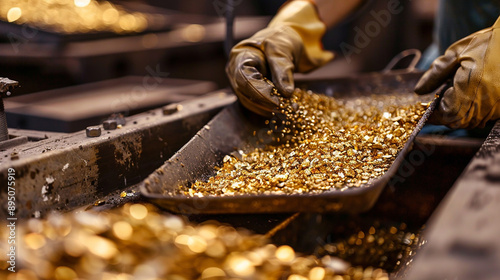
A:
(101, 247)
(317, 273)
(197, 244)
(212, 272)
(296, 277)
(379, 246)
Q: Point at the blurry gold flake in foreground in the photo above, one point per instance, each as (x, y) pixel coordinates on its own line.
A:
(82, 3)
(193, 33)
(73, 16)
(164, 247)
(138, 211)
(14, 14)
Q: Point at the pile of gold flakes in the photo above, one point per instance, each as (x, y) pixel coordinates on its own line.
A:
(137, 242)
(378, 245)
(322, 144)
(72, 16)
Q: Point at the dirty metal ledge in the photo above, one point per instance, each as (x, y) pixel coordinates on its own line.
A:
(462, 235)
(65, 172)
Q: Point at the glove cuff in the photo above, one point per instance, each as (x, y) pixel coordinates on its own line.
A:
(303, 18)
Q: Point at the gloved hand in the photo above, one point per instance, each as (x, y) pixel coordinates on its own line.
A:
(290, 43)
(474, 64)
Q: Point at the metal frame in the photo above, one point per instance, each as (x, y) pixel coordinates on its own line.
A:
(68, 171)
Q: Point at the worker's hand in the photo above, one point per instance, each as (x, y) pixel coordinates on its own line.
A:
(473, 63)
(264, 63)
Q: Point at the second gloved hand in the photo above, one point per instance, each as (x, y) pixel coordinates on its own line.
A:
(474, 65)
(266, 61)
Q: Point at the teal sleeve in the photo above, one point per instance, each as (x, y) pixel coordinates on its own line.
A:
(456, 19)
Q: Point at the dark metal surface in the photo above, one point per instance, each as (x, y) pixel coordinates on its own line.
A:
(6, 84)
(232, 129)
(4, 133)
(65, 172)
(229, 40)
(462, 235)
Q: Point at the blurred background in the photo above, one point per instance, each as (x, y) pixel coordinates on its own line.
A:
(54, 44)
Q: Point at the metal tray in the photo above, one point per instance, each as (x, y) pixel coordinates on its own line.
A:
(232, 130)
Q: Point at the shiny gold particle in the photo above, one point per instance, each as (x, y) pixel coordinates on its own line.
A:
(34, 241)
(384, 247)
(317, 273)
(216, 249)
(197, 244)
(64, 273)
(123, 230)
(285, 253)
(138, 211)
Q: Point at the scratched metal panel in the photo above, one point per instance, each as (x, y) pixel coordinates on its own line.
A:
(66, 172)
(462, 235)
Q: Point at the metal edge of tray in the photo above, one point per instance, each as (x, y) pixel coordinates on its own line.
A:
(198, 157)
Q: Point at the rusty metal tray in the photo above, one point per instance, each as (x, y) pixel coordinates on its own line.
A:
(232, 130)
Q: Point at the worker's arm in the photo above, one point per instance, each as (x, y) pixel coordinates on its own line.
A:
(331, 12)
(290, 43)
(473, 65)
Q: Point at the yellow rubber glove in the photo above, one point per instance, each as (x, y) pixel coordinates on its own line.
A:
(474, 65)
(290, 43)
